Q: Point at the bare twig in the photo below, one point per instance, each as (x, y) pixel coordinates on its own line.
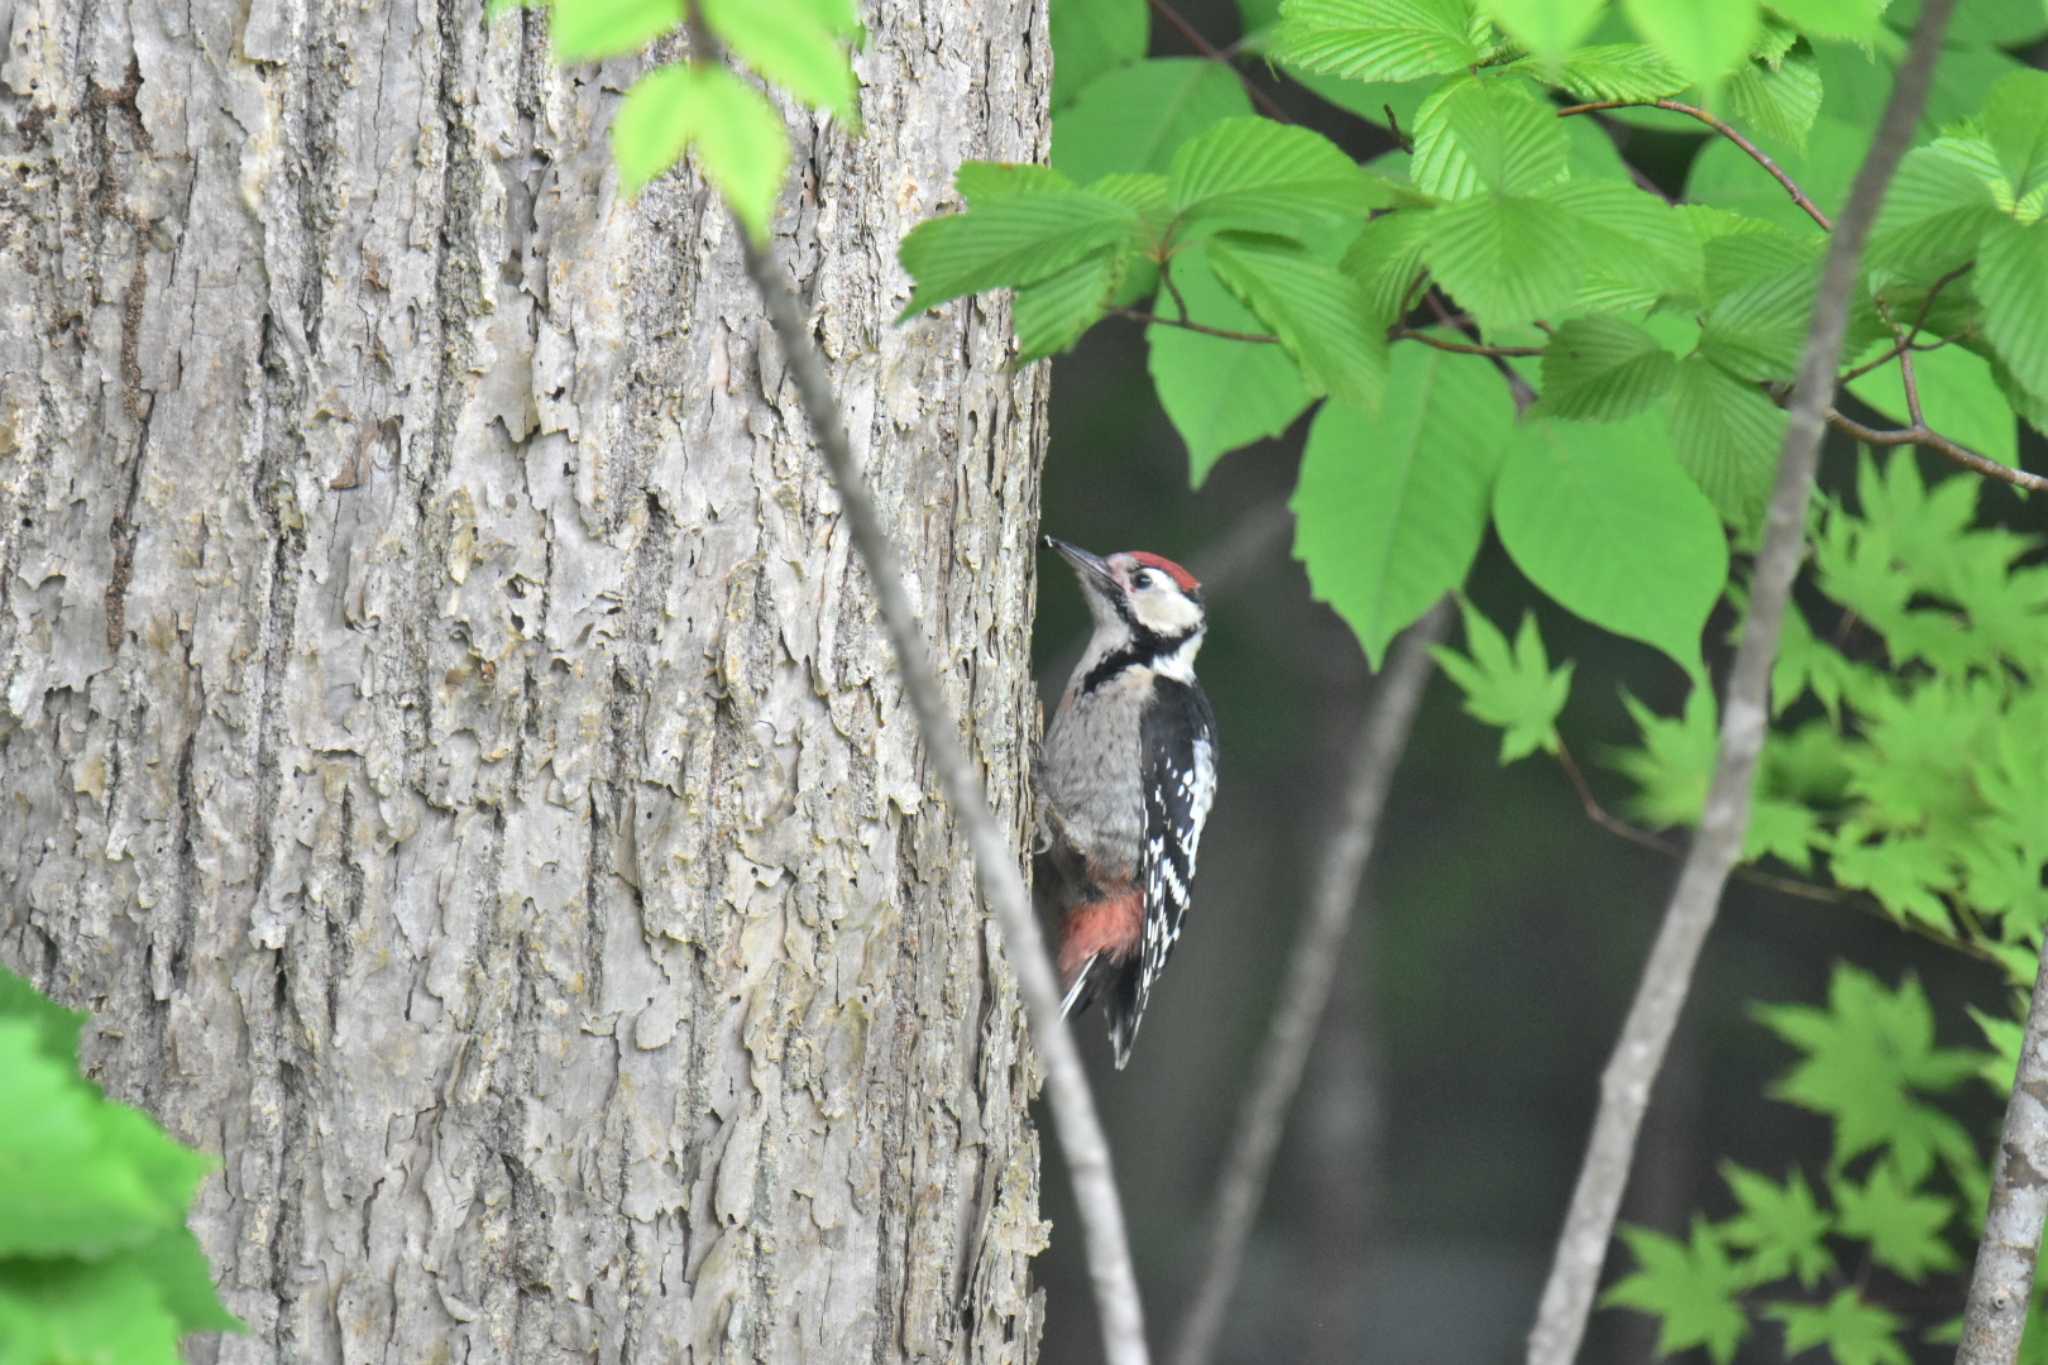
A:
(1725, 129)
(1924, 435)
(1186, 325)
(1919, 320)
(996, 856)
(1459, 347)
(1215, 54)
(1653, 1015)
(2002, 1284)
(1306, 990)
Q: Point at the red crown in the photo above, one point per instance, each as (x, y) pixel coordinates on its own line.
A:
(1164, 565)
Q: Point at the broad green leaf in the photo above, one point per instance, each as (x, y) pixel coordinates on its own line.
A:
(586, 30)
(1387, 257)
(981, 181)
(1781, 1226)
(1936, 211)
(1507, 259)
(1632, 237)
(2016, 126)
(1091, 38)
(1603, 369)
(1377, 40)
(1691, 1287)
(1777, 102)
(1219, 394)
(1319, 314)
(1546, 27)
(1724, 175)
(69, 1311)
(1756, 329)
(175, 1265)
(1904, 1229)
(737, 136)
(1602, 520)
(1473, 136)
(1958, 395)
(1136, 118)
(791, 48)
(1255, 175)
(1609, 71)
(1051, 315)
(1855, 1332)
(1727, 436)
(1855, 20)
(1389, 511)
(2012, 280)
(1512, 689)
(1705, 41)
(1010, 241)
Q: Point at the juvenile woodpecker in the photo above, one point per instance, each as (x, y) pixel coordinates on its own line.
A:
(1125, 778)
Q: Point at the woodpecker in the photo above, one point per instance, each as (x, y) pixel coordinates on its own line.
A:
(1125, 777)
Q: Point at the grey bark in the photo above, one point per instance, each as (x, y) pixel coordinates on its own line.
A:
(1638, 1054)
(444, 732)
(2002, 1281)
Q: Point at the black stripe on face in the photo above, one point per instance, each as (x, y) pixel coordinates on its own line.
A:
(1146, 647)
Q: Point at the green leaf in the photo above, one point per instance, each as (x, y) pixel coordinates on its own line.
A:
(66, 1311)
(2012, 280)
(586, 30)
(2016, 126)
(1855, 20)
(1674, 764)
(1319, 314)
(1507, 259)
(1603, 369)
(1958, 394)
(1981, 23)
(1389, 512)
(1051, 315)
(1219, 394)
(175, 1265)
(1387, 257)
(1609, 71)
(1855, 1332)
(2001, 1064)
(738, 137)
(1781, 1227)
(1134, 119)
(1727, 436)
(1705, 41)
(1255, 175)
(1010, 241)
(1936, 210)
(1512, 689)
(57, 1028)
(791, 47)
(1777, 101)
(1545, 27)
(1473, 136)
(1377, 40)
(1903, 1228)
(1632, 237)
(1692, 1288)
(1597, 517)
(1091, 38)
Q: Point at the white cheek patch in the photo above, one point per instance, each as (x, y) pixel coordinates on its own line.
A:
(1167, 613)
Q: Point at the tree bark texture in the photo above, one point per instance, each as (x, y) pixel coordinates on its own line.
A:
(444, 734)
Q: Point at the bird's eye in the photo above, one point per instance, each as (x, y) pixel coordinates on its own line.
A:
(1147, 578)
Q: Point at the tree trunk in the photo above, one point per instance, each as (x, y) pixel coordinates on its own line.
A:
(446, 739)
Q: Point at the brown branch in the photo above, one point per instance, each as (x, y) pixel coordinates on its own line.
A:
(1725, 129)
(1155, 319)
(1667, 977)
(1919, 321)
(1924, 435)
(2002, 1283)
(1306, 992)
(1202, 45)
(1459, 347)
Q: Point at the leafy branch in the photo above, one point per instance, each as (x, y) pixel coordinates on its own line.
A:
(1725, 129)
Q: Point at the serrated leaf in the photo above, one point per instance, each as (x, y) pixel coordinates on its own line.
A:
(1506, 259)
(1387, 257)
(1603, 369)
(1777, 101)
(587, 30)
(1691, 1287)
(1958, 394)
(1705, 41)
(1255, 175)
(1545, 27)
(1051, 315)
(1632, 237)
(1219, 394)
(1936, 210)
(1091, 38)
(1319, 314)
(1390, 511)
(2016, 126)
(1512, 689)
(2012, 280)
(1781, 1226)
(1727, 436)
(1903, 1228)
(1136, 118)
(1010, 241)
(1609, 71)
(1601, 520)
(1855, 1332)
(1672, 765)
(737, 137)
(1376, 40)
(1757, 329)
(1473, 136)
(790, 47)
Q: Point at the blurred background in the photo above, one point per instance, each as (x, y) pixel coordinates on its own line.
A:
(1430, 1154)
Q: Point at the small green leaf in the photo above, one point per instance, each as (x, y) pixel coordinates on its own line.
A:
(1472, 136)
(1255, 175)
(1855, 1332)
(1546, 27)
(1507, 259)
(1673, 765)
(1011, 240)
(1781, 1226)
(2012, 280)
(1692, 1288)
(1727, 436)
(1609, 71)
(57, 1028)
(1390, 511)
(1319, 314)
(1512, 689)
(1705, 41)
(738, 137)
(586, 30)
(1605, 523)
(1903, 1228)
(791, 47)
(1603, 369)
(1091, 38)
(1377, 40)
(1387, 257)
(1136, 118)
(1219, 394)
(1777, 101)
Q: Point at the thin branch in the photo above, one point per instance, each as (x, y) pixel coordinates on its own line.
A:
(1725, 129)
(1180, 304)
(1924, 435)
(2002, 1284)
(1459, 347)
(1306, 992)
(1215, 54)
(1653, 1015)
(1919, 321)
(1152, 319)
(996, 856)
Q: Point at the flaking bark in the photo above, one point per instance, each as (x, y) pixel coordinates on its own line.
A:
(443, 732)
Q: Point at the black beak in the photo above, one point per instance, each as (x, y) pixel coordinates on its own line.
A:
(1090, 569)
